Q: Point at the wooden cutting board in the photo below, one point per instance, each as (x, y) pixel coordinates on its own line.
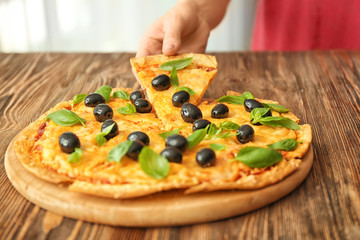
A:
(162, 209)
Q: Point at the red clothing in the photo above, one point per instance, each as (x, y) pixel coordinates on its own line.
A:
(307, 24)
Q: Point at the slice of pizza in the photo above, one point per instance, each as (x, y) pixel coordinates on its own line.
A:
(171, 81)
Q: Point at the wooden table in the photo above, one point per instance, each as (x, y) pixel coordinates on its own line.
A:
(322, 88)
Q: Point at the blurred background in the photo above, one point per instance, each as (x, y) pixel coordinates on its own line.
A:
(105, 25)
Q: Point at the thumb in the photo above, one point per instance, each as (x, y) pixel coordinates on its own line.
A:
(172, 37)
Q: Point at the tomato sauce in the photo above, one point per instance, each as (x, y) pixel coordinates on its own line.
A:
(40, 131)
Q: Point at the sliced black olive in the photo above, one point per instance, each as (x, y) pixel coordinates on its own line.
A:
(180, 97)
(200, 124)
(139, 136)
(190, 112)
(250, 104)
(136, 94)
(114, 131)
(102, 112)
(135, 150)
(245, 134)
(172, 154)
(142, 105)
(177, 141)
(68, 142)
(220, 111)
(93, 99)
(161, 82)
(206, 157)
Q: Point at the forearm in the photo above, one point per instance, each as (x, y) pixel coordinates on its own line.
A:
(212, 11)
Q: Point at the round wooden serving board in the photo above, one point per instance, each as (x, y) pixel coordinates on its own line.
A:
(162, 209)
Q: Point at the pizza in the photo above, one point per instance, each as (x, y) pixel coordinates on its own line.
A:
(192, 80)
(125, 143)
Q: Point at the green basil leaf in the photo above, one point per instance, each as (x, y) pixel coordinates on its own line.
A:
(228, 125)
(225, 135)
(257, 113)
(65, 117)
(276, 107)
(105, 91)
(247, 95)
(238, 100)
(100, 138)
(75, 156)
(178, 64)
(196, 137)
(213, 129)
(257, 157)
(174, 78)
(78, 98)
(153, 164)
(119, 151)
(216, 134)
(121, 94)
(217, 146)
(164, 135)
(128, 109)
(289, 144)
(279, 122)
(189, 90)
(108, 129)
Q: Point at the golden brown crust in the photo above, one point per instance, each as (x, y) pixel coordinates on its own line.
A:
(29, 157)
(268, 177)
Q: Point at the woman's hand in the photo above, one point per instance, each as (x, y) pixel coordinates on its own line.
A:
(184, 28)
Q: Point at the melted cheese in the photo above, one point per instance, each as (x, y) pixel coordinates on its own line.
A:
(94, 166)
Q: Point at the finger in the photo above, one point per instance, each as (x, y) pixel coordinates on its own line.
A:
(149, 46)
(172, 35)
(196, 43)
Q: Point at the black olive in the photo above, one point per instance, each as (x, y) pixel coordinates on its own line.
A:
(161, 82)
(177, 141)
(172, 154)
(142, 105)
(245, 133)
(220, 111)
(180, 97)
(190, 112)
(250, 104)
(139, 136)
(114, 131)
(136, 94)
(200, 124)
(102, 112)
(93, 99)
(206, 157)
(135, 150)
(68, 142)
